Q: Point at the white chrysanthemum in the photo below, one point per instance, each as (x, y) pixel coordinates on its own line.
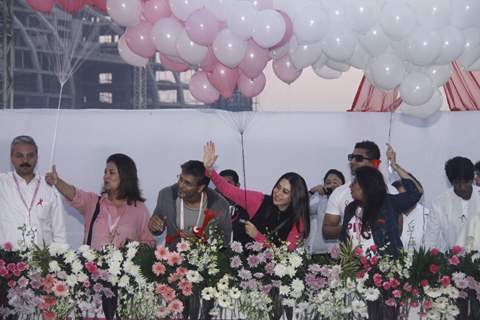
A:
(194, 276)
(82, 277)
(124, 281)
(295, 260)
(77, 266)
(114, 268)
(284, 290)
(432, 292)
(452, 292)
(359, 307)
(223, 284)
(88, 254)
(280, 270)
(53, 266)
(235, 293)
(223, 301)
(297, 285)
(290, 270)
(213, 270)
(452, 310)
(289, 302)
(371, 294)
(72, 280)
(208, 293)
(56, 249)
(70, 256)
(113, 279)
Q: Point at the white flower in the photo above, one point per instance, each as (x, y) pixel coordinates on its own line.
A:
(432, 292)
(213, 270)
(194, 276)
(113, 279)
(284, 290)
(297, 285)
(452, 310)
(53, 266)
(72, 280)
(359, 307)
(290, 271)
(82, 277)
(371, 294)
(234, 293)
(77, 266)
(223, 283)
(70, 256)
(280, 270)
(114, 268)
(56, 249)
(124, 281)
(208, 293)
(223, 301)
(295, 260)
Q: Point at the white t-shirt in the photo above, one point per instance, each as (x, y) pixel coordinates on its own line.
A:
(354, 231)
(316, 243)
(414, 226)
(46, 218)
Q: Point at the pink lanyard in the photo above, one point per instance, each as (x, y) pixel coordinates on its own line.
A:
(358, 225)
(29, 208)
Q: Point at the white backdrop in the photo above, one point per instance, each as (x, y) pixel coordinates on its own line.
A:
(308, 143)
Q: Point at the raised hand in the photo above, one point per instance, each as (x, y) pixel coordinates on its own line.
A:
(209, 155)
(52, 177)
(391, 155)
(156, 224)
(250, 229)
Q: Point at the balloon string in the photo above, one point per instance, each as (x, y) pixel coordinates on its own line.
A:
(244, 171)
(55, 130)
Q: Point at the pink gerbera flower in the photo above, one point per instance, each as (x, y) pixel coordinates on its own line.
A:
(158, 268)
(174, 258)
(60, 289)
(176, 306)
(161, 253)
(182, 246)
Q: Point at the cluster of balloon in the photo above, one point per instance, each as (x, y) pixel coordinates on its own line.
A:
(403, 44)
(70, 6)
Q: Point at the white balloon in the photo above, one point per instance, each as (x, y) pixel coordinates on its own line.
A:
(399, 48)
(387, 71)
(362, 14)
(425, 110)
(439, 74)
(471, 49)
(321, 61)
(336, 12)
(475, 66)
(453, 42)
(310, 23)
(465, 13)
(241, 18)
(303, 55)
(183, 8)
(164, 35)
(339, 66)
(278, 53)
(359, 58)
(229, 49)
(433, 14)
(374, 41)
(125, 12)
(269, 28)
(424, 47)
(326, 72)
(339, 44)
(190, 51)
(416, 89)
(397, 20)
(220, 8)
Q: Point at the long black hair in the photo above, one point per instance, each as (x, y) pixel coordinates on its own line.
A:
(127, 170)
(298, 201)
(374, 192)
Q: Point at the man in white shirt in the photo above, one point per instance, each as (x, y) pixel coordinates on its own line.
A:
(452, 210)
(30, 210)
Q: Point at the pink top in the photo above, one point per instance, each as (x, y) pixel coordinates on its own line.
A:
(129, 222)
(253, 201)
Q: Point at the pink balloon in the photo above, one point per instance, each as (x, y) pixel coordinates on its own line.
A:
(171, 65)
(288, 30)
(139, 40)
(44, 6)
(71, 6)
(224, 79)
(255, 60)
(202, 27)
(154, 10)
(285, 70)
(251, 87)
(209, 61)
(129, 56)
(202, 89)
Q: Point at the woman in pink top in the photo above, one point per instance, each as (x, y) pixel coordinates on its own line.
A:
(121, 215)
(283, 214)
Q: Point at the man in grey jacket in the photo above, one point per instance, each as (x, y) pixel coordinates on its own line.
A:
(181, 207)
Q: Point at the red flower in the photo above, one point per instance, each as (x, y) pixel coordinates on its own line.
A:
(386, 285)
(394, 283)
(407, 287)
(49, 301)
(445, 281)
(377, 280)
(457, 249)
(11, 267)
(21, 266)
(12, 283)
(48, 315)
(8, 246)
(454, 261)
(424, 283)
(390, 302)
(397, 293)
(358, 251)
(414, 304)
(373, 247)
(434, 252)
(433, 268)
(91, 267)
(427, 304)
(360, 274)
(374, 260)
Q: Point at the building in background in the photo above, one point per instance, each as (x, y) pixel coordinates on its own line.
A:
(102, 79)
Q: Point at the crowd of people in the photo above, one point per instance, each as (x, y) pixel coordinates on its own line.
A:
(365, 209)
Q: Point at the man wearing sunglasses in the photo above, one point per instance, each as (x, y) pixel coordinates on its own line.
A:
(365, 153)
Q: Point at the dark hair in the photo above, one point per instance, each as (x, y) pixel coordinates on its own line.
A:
(197, 169)
(374, 191)
(459, 168)
(299, 201)
(477, 166)
(373, 152)
(127, 170)
(335, 172)
(230, 173)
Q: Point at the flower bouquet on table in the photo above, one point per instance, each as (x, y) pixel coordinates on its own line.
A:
(431, 286)
(464, 268)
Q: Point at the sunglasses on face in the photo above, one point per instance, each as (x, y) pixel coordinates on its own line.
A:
(357, 157)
